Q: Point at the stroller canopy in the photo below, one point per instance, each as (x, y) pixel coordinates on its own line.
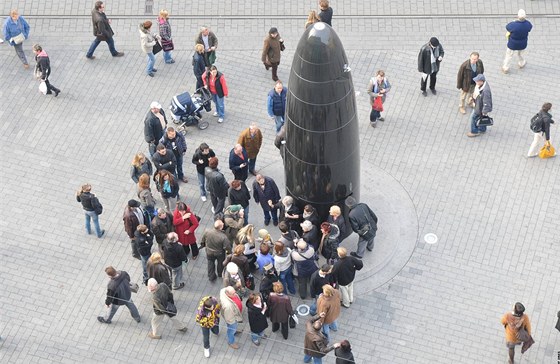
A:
(182, 104)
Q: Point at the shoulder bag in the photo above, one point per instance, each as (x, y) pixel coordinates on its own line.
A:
(157, 48)
(484, 120)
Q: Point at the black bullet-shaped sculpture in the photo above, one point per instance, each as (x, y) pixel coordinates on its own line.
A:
(322, 155)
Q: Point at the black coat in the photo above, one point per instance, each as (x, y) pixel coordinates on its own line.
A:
(235, 162)
(205, 157)
(174, 254)
(257, 320)
(312, 238)
(199, 64)
(343, 357)
(118, 289)
(425, 58)
(216, 182)
(153, 130)
(239, 197)
(160, 227)
(144, 242)
(293, 223)
(160, 272)
(344, 270)
(270, 192)
(167, 161)
(316, 283)
(359, 216)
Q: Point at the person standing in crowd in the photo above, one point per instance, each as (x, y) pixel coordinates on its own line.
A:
(43, 69)
(147, 42)
(92, 209)
(147, 200)
(186, 223)
(132, 217)
(364, 223)
(288, 237)
(430, 56)
(483, 105)
(199, 64)
(276, 104)
(266, 193)
(283, 265)
(517, 35)
(543, 135)
(175, 256)
(311, 214)
(162, 224)
(102, 31)
(263, 256)
(158, 270)
(315, 343)
(154, 125)
(232, 309)
(344, 272)
(310, 234)
(200, 158)
(326, 13)
(280, 309)
(256, 310)
(239, 162)
(161, 300)
(165, 159)
(335, 217)
(16, 31)
(144, 240)
(290, 214)
(217, 186)
(343, 353)
(304, 266)
(210, 42)
(215, 82)
(312, 18)
(514, 322)
(272, 51)
(176, 142)
(233, 221)
(217, 246)
(329, 303)
(239, 195)
(208, 317)
(329, 242)
(268, 279)
(165, 36)
(239, 259)
(168, 188)
(468, 70)
(245, 237)
(378, 87)
(264, 237)
(118, 294)
(140, 165)
(251, 140)
(318, 279)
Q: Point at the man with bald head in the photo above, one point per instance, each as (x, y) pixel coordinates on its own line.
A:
(239, 162)
(217, 246)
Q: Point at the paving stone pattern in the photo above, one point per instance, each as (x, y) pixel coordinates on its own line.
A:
(492, 209)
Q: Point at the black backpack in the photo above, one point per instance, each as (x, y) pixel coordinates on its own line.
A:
(536, 124)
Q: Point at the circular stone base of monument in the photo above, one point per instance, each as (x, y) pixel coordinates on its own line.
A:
(397, 232)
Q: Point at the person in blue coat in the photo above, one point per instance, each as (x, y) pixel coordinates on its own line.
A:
(16, 31)
(517, 35)
(239, 162)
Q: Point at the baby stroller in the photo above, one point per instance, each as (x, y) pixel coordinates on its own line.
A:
(185, 109)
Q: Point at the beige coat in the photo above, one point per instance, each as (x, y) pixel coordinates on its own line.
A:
(230, 311)
(147, 40)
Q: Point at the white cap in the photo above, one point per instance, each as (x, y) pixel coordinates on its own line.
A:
(155, 105)
(521, 14)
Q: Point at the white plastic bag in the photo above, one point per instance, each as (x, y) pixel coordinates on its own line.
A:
(43, 87)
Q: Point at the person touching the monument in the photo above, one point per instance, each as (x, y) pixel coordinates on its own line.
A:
(364, 223)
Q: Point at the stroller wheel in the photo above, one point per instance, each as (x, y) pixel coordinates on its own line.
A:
(182, 130)
(203, 125)
(177, 122)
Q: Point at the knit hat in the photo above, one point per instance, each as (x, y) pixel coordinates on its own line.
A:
(273, 30)
(301, 244)
(479, 77)
(521, 14)
(232, 268)
(235, 208)
(263, 234)
(434, 41)
(133, 203)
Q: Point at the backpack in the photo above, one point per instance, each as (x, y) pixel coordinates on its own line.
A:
(536, 124)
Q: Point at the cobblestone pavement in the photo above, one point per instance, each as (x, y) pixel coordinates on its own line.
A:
(492, 209)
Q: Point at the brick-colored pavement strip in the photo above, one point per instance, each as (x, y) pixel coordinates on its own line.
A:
(492, 209)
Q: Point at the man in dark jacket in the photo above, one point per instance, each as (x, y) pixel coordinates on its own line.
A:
(118, 294)
(154, 125)
(162, 224)
(200, 158)
(429, 58)
(288, 236)
(310, 234)
(174, 257)
(517, 34)
(239, 195)
(92, 209)
(144, 239)
(44, 69)
(276, 105)
(364, 223)
(239, 162)
(272, 51)
(161, 298)
(316, 343)
(543, 135)
(468, 70)
(176, 143)
(483, 105)
(210, 42)
(132, 217)
(102, 31)
(217, 186)
(265, 192)
(318, 279)
(217, 246)
(165, 159)
(343, 273)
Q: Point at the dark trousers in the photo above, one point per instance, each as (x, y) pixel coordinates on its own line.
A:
(284, 330)
(187, 248)
(374, 115)
(274, 67)
(215, 264)
(179, 158)
(134, 247)
(302, 286)
(206, 335)
(433, 79)
(218, 204)
(199, 82)
(50, 88)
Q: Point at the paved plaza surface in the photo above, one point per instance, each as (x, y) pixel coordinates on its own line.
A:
(493, 209)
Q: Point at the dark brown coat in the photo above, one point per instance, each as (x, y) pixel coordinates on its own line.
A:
(464, 78)
(279, 308)
(272, 50)
(251, 144)
(330, 306)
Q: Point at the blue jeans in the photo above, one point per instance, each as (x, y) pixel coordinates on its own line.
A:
(313, 308)
(475, 129)
(201, 184)
(144, 260)
(177, 275)
(252, 162)
(279, 121)
(287, 280)
(220, 108)
(307, 359)
(92, 215)
(231, 329)
(110, 43)
(151, 62)
(129, 304)
(167, 56)
(255, 336)
(246, 215)
(272, 214)
(328, 327)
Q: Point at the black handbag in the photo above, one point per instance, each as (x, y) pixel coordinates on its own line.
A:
(157, 48)
(484, 120)
(292, 322)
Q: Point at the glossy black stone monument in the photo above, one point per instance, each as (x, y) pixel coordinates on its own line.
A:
(322, 154)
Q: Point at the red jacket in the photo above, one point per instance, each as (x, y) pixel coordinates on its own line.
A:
(181, 226)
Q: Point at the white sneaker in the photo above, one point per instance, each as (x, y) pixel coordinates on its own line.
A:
(206, 353)
(1, 40)
(203, 198)
(215, 114)
(213, 209)
(220, 120)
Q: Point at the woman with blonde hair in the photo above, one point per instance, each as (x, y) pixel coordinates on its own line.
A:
(335, 217)
(140, 165)
(245, 237)
(312, 18)
(199, 64)
(147, 200)
(165, 34)
(158, 270)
